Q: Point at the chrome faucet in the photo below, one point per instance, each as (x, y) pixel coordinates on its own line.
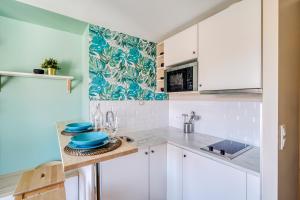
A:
(194, 117)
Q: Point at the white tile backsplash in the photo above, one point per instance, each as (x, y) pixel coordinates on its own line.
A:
(239, 121)
(137, 115)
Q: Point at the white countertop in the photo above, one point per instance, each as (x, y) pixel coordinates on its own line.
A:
(248, 161)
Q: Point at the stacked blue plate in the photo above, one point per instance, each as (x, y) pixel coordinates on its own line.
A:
(78, 127)
(90, 140)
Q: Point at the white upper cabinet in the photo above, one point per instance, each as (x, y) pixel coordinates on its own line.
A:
(181, 47)
(229, 48)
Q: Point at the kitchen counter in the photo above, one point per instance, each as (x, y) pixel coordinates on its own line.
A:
(248, 161)
(74, 162)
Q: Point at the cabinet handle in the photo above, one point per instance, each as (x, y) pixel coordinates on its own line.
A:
(200, 85)
(194, 52)
(146, 153)
(152, 151)
(184, 155)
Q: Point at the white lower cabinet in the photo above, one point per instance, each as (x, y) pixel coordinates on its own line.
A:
(71, 188)
(174, 173)
(158, 172)
(194, 177)
(206, 179)
(139, 176)
(253, 187)
(86, 183)
(126, 177)
(170, 172)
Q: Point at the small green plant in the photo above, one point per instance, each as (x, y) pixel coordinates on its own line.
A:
(50, 63)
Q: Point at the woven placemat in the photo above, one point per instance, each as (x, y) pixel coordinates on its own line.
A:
(114, 144)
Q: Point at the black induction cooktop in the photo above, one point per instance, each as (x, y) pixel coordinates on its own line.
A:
(227, 148)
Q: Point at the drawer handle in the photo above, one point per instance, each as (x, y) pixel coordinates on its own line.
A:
(146, 153)
(184, 155)
(152, 151)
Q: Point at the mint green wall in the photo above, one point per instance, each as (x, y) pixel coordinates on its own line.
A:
(29, 108)
(24, 12)
(85, 104)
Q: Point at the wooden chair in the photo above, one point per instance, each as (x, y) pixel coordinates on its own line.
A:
(45, 182)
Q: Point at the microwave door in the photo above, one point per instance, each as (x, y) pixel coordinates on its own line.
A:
(181, 80)
(176, 81)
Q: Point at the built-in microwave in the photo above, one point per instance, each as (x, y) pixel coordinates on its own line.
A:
(182, 78)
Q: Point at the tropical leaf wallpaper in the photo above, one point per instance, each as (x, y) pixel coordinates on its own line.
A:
(121, 67)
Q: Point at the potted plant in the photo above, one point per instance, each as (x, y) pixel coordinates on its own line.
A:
(51, 65)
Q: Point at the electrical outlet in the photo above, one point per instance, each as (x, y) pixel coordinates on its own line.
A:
(282, 136)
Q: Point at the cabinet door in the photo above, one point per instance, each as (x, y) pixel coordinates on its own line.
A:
(253, 187)
(126, 178)
(71, 187)
(86, 183)
(174, 173)
(229, 48)
(158, 172)
(206, 179)
(181, 47)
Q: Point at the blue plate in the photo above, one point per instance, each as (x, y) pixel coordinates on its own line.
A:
(88, 139)
(80, 131)
(74, 146)
(78, 126)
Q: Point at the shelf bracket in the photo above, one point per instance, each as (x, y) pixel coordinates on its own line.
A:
(69, 86)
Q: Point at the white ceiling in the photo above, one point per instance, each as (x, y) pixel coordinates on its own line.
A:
(153, 20)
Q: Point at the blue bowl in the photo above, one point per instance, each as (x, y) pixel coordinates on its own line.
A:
(78, 126)
(89, 139)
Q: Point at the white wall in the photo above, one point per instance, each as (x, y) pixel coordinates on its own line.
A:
(136, 115)
(237, 120)
(269, 152)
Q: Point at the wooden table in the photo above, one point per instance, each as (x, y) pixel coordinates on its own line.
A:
(74, 162)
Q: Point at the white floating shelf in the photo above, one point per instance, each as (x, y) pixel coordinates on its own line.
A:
(42, 76)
